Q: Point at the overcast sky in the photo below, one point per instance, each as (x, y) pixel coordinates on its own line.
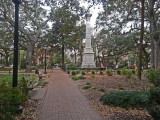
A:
(94, 10)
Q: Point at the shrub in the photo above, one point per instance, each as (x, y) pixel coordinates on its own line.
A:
(93, 88)
(118, 72)
(93, 72)
(87, 86)
(93, 76)
(71, 66)
(109, 72)
(123, 71)
(82, 72)
(68, 72)
(42, 83)
(77, 77)
(102, 90)
(127, 73)
(101, 72)
(154, 103)
(153, 76)
(73, 72)
(133, 72)
(126, 99)
(10, 98)
(88, 83)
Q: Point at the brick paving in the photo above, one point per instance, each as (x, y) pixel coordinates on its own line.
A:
(63, 101)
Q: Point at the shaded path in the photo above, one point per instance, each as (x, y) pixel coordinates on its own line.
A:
(63, 101)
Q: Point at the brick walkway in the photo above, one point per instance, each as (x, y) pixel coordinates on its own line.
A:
(63, 101)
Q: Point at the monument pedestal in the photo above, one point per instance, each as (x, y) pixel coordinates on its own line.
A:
(88, 55)
(88, 58)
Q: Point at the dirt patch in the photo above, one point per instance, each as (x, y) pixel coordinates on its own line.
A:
(30, 110)
(109, 84)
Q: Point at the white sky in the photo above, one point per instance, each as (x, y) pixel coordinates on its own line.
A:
(94, 11)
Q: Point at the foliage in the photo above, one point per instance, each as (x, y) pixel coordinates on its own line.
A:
(23, 64)
(42, 83)
(8, 78)
(102, 90)
(77, 77)
(10, 100)
(154, 103)
(118, 72)
(88, 83)
(87, 86)
(93, 88)
(133, 72)
(68, 71)
(83, 72)
(109, 72)
(93, 72)
(127, 73)
(153, 76)
(101, 72)
(71, 66)
(93, 76)
(126, 99)
(73, 72)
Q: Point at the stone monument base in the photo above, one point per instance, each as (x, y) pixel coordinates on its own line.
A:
(88, 59)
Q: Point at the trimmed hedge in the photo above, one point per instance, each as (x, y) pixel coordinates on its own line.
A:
(126, 99)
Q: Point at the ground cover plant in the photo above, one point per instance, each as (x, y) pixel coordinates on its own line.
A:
(8, 78)
(77, 77)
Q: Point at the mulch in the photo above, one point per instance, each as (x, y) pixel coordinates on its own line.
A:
(109, 84)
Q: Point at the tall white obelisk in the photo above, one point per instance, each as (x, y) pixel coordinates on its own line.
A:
(88, 55)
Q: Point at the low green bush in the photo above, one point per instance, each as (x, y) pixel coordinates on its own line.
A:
(153, 76)
(88, 83)
(126, 99)
(87, 86)
(73, 72)
(154, 103)
(42, 83)
(127, 73)
(71, 66)
(133, 72)
(118, 72)
(10, 99)
(77, 77)
(102, 90)
(93, 72)
(93, 88)
(109, 72)
(101, 72)
(68, 71)
(83, 72)
(93, 76)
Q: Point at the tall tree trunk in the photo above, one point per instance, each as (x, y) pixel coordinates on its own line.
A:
(158, 55)
(62, 54)
(75, 57)
(29, 57)
(7, 61)
(155, 56)
(141, 40)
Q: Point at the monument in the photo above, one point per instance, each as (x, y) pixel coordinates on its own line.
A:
(88, 54)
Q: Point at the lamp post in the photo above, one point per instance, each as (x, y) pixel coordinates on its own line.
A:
(15, 59)
(45, 72)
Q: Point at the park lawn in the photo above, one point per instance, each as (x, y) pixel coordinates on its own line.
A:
(8, 78)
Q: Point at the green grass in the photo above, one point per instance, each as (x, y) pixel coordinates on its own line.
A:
(8, 78)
